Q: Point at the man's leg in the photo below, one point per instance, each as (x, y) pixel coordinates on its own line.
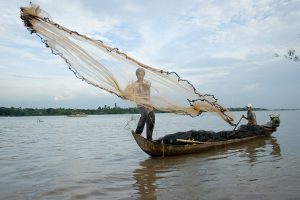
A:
(142, 121)
(150, 124)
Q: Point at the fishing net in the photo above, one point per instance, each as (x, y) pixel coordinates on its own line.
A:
(114, 71)
(211, 136)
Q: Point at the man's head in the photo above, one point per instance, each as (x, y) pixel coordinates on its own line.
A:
(249, 106)
(140, 74)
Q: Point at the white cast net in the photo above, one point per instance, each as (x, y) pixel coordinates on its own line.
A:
(109, 69)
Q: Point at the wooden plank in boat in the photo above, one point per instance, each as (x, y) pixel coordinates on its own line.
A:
(189, 141)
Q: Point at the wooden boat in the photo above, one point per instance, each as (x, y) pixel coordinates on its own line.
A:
(155, 148)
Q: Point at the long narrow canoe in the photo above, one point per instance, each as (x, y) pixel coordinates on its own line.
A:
(155, 148)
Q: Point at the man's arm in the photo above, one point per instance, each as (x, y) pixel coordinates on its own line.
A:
(147, 83)
(128, 91)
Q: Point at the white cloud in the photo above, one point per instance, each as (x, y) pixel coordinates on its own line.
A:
(206, 42)
(77, 17)
(242, 27)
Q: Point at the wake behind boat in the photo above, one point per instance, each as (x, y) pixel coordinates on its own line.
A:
(199, 141)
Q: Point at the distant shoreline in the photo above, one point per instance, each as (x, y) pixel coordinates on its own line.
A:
(15, 112)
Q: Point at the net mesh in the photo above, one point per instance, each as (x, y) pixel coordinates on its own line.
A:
(114, 71)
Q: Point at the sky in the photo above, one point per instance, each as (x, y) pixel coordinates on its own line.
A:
(225, 48)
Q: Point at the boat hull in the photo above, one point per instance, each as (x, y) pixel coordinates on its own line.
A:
(154, 148)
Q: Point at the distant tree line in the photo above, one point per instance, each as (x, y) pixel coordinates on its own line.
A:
(12, 111)
(244, 109)
(64, 111)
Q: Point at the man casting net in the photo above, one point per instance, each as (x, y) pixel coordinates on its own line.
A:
(113, 71)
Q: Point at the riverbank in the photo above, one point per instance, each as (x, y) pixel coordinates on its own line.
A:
(12, 111)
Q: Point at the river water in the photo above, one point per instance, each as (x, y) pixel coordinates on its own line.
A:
(96, 157)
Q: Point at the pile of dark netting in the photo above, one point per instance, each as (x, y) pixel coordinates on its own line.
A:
(211, 136)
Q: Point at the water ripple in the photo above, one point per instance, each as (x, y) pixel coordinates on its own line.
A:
(97, 158)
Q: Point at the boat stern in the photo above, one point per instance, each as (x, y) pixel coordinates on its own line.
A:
(273, 123)
(275, 120)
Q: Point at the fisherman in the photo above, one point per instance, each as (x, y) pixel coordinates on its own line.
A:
(141, 94)
(251, 117)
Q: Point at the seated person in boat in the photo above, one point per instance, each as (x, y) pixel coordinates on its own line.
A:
(251, 117)
(139, 91)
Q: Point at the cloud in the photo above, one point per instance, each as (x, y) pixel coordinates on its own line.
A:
(241, 27)
(69, 14)
(215, 45)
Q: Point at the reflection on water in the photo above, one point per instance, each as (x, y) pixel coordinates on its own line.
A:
(145, 177)
(254, 148)
(150, 170)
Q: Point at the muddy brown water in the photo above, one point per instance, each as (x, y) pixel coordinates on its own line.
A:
(95, 157)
